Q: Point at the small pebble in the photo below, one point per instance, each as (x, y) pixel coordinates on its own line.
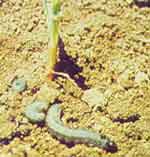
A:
(95, 98)
(19, 85)
(141, 77)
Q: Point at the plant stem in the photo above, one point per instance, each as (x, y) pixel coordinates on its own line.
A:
(52, 13)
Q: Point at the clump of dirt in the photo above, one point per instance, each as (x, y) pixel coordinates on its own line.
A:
(104, 45)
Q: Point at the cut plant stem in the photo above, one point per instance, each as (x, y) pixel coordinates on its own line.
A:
(52, 13)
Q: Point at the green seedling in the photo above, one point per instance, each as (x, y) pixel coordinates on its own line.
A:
(52, 13)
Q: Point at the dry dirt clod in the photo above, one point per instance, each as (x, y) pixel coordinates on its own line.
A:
(95, 98)
(47, 93)
(141, 77)
(6, 126)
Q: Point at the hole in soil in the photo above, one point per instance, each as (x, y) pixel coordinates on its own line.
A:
(68, 65)
(131, 118)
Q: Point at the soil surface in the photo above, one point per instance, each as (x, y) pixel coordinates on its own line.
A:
(104, 45)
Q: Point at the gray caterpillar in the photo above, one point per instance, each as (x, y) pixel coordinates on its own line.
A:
(75, 136)
(36, 112)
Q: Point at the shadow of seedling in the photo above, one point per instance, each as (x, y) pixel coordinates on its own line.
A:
(68, 65)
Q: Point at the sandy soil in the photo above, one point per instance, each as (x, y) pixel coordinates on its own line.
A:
(104, 44)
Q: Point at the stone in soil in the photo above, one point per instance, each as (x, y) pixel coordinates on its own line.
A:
(19, 85)
(95, 98)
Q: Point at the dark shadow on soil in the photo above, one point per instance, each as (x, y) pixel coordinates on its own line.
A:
(132, 118)
(69, 144)
(41, 124)
(110, 148)
(17, 134)
(142, 4)
(67, 64)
